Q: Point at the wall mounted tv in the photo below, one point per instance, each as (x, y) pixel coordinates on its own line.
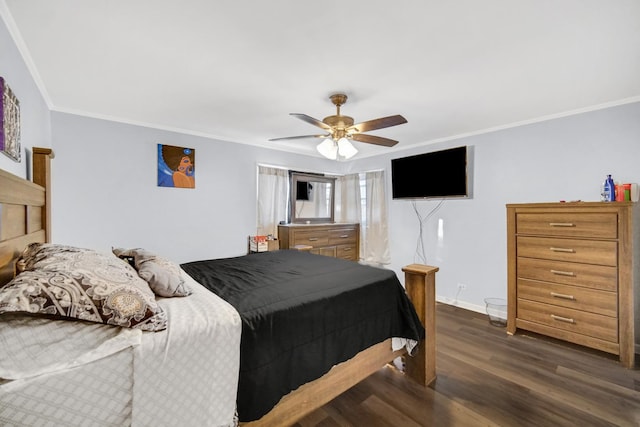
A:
(431, 175)
(304, 190)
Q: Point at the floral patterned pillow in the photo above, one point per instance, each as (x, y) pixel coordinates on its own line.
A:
(40, 255)
(163, 276)
(73, 283)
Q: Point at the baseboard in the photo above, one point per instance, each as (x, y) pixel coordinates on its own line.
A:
(462, 304)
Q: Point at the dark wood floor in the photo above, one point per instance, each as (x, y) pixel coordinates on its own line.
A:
(486, 378)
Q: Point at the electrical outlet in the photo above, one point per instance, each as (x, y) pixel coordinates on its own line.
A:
(462, 286)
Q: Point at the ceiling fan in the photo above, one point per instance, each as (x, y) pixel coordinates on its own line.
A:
(340, 129)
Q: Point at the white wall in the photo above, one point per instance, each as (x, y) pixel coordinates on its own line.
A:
(561, 159)
(105, 190)
(34, 112)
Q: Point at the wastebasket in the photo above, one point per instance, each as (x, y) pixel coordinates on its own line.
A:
(497, 311)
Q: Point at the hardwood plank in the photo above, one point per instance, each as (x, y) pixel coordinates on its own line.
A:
(384, 411)
(488, 378)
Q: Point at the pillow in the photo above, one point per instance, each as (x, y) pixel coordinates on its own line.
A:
(73, 283)
(42, 254)
(163, 276)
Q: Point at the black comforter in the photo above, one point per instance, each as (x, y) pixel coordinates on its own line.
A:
(301, 314)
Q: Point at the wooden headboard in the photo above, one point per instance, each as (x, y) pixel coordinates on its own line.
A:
(24, 211)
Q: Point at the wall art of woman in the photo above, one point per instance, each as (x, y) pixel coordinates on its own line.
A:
(176, 166)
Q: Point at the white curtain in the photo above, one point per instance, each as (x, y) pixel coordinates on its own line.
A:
(374, 239)
(348, 201)
(273, 185)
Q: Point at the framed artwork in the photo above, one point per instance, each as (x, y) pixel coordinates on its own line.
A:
(176, 166)
(9, 122)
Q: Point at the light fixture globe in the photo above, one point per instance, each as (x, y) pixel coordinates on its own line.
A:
(328, 148)
(346, 149)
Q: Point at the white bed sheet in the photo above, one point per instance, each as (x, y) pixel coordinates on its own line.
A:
(188, 375)
(100, 375)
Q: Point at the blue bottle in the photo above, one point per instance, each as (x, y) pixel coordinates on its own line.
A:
(608, 190)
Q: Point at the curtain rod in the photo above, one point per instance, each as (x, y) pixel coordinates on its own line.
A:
(272, 166)
(326, 173)
(297, 170)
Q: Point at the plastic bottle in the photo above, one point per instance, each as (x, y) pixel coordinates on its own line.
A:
(604, 190)
(608, 190)
(612, 186)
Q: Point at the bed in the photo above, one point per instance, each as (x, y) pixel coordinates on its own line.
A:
(160, 376)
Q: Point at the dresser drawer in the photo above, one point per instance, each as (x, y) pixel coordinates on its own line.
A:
(601, 277)
(573, 250)
(347, 252)
(342, 236)
(577, 298)
(576, 321)
(569, 224)
(329, 251)
(311, 238)
(339, 240)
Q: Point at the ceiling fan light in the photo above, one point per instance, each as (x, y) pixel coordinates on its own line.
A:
(328, 149)
(346, 149)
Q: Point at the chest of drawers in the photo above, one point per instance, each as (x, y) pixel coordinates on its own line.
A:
(340, 240)
(572, 273)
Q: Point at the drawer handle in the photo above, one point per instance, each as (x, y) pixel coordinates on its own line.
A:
(562, 273)
(562, 224)
(346, 249)
(563, 296)
(567, 250)
(562, 319)
(312, 239)
(344, 236)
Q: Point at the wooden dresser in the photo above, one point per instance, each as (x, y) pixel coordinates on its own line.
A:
(572, 273)
(336, 240)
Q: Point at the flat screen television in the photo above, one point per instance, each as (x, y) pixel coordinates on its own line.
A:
(431, 175)
(303, 190)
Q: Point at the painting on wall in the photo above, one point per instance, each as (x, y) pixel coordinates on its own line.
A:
(9, 122)
(176, 166)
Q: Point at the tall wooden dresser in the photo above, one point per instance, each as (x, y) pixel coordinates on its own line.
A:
(338, 240)
(573, 273)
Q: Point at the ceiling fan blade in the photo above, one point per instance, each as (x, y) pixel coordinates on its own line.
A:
(371, 139)
(300, 137)
(311, 120)
(374, 124)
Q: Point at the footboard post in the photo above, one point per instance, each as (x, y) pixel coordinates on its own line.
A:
(420, 284)
(42, 176)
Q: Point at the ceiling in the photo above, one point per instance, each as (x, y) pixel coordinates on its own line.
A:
(234, 70)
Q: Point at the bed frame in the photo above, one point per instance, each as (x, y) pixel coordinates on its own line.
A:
(24, 211)
(25, 218)
(421, 367)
